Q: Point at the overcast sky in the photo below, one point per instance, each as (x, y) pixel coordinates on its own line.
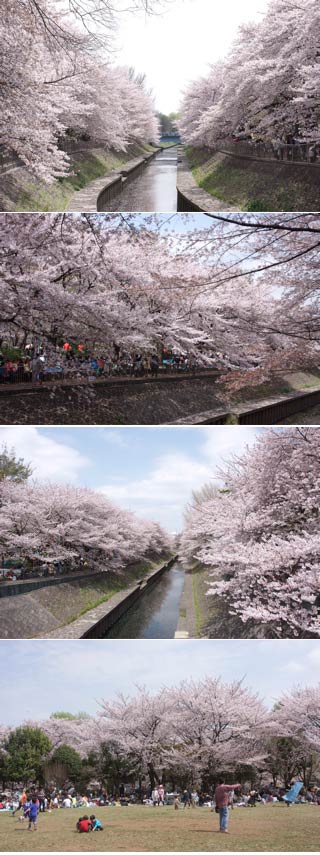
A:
(75, 675)
(151, 471)
(178, 46)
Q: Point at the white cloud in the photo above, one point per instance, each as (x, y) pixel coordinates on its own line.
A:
(114, 437)
(49, 459)
(292, 666)
(314, 656)
(165, 491)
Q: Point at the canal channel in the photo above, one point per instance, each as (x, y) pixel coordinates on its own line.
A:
(154, 190)
(156, 613)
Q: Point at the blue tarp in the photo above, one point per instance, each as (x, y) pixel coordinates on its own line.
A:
(293, 792)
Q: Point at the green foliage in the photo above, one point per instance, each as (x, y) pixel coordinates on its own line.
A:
(232, 419)
(13, 468)
(114, 768)
(70, 759)
(27, 749)
(70, 716)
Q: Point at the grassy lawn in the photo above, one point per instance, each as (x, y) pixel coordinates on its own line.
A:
(264, 828)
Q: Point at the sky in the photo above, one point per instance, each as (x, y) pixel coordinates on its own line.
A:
(151, 471)
(178, 46)
(48, 676)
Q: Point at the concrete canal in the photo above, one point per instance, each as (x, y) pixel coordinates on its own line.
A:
(156, 614)
(154, 190)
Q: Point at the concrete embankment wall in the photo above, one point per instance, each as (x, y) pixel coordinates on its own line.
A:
(96, 195)
(192, 400)
(23, 586)
(104, 623)
(267, 412)
(191, 197)
(98, 621)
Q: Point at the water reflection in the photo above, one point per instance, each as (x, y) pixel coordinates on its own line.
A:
(156, 614)
(154, 190)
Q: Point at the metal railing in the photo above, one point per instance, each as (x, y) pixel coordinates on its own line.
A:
(299, 152)
(87, 375)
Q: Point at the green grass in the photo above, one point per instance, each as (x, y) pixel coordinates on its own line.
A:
(264, 828)
(112, 585)
(251, 185)
(86, 166)
(196, 604)
(38, 196)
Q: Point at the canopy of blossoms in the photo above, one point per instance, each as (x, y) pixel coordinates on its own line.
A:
(260, 533)
(56, 74)
(243, 290)
(268, 85)
(55, 523)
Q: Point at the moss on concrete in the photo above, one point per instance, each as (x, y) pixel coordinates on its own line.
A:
(20, 191)
(255, 185)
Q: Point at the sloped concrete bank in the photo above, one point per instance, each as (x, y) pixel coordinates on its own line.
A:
(269, 411)
(98, 193)
(23, 586)
(191, 197)
(96, 622)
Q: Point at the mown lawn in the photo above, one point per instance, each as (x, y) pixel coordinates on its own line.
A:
(264, 828)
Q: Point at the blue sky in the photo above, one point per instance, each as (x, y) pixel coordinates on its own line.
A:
(75, 675)
(151, 471)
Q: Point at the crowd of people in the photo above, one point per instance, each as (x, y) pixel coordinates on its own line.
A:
(22, 569)
(28, 804)
(68, 362)
(235, 795)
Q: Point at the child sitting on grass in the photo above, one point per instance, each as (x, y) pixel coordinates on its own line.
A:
(96, 824)
(84, 824)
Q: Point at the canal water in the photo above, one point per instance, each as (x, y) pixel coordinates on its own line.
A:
(154, 190)
(156, 614)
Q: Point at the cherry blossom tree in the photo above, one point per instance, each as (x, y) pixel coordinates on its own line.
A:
(101, 279)
(196, 729)
(193, 726)
(217, 725)
(297, 714)
(54, 78)
(59, 523)
(139, 727)
(268, 84)
(260, 533)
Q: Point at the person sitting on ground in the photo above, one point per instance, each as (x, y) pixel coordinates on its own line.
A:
(84, 825)
(96, 824)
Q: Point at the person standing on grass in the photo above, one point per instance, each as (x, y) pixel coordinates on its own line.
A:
(221, 796)
(33, 813)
